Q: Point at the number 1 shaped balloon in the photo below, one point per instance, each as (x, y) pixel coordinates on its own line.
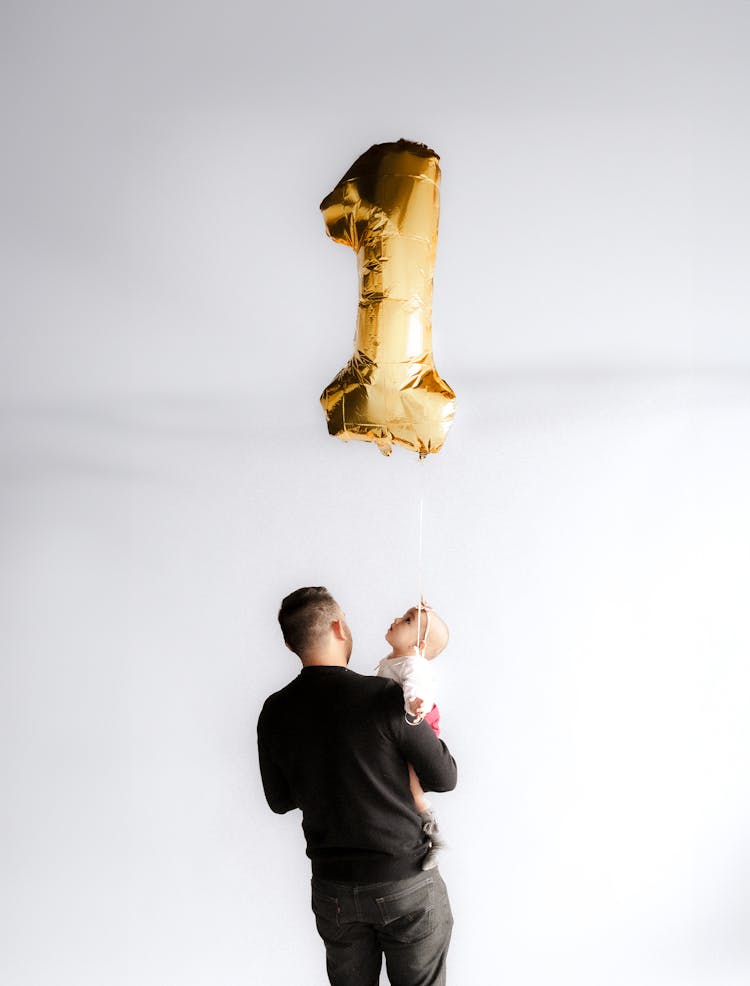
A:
(386, 209)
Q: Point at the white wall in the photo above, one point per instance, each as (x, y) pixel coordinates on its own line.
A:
(174, 311)
(588, 540)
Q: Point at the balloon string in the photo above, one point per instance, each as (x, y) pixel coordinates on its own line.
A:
(420, 572)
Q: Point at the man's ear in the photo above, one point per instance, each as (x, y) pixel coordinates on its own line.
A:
(338, 629)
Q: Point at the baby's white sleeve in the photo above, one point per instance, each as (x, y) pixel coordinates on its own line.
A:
(417, 681)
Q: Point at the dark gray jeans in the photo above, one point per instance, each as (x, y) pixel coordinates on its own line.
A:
(409, 921)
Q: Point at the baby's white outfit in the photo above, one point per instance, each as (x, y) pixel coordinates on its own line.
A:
(414, 674)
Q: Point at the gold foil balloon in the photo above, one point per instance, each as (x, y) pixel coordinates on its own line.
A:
(386, 209)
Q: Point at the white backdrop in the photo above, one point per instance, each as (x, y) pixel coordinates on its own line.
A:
(173, 311)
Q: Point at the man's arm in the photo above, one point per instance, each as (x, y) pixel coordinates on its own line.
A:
(430, 757)
(275, 784)
(432, 760)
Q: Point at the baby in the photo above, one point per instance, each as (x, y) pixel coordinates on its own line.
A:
(416, 638)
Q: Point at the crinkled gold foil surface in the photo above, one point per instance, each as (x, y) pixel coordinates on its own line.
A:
(386, 209)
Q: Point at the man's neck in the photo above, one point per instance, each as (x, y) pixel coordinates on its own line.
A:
(323, 661)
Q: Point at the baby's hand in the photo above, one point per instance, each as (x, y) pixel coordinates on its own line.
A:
(416, 707)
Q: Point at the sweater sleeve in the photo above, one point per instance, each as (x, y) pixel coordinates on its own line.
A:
(275, 785)
(430, 757)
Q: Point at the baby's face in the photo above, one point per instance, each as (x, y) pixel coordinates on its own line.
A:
(402, 633)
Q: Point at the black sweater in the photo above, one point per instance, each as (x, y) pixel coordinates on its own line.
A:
(335, 744)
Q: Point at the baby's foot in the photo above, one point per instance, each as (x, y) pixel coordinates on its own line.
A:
(437, 843)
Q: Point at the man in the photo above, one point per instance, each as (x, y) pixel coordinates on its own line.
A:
(337, 745)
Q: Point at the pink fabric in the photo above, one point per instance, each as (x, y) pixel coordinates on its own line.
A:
(433, 717)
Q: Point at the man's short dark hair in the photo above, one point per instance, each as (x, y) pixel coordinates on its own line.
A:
(305, 617)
